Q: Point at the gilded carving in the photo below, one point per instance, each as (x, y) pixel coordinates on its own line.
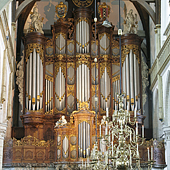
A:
(50, 112)
(102, 69)
(116, 78)
(49, 78)
(63, 68)
(93, 89)
(70, 65)
(57, 111)
(61, 10)
(101, 35)
(82, 19)
(70, 90)
(105, 98)
(39, 49)
(102, 10)
(60, 98)
(32, 111)
(58, 34)
(82, 59)
(84, 3)
(126, 50)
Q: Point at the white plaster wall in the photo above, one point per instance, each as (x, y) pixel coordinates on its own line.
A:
(157, 125)
(152, 37)
(164, 18)
(166, 94)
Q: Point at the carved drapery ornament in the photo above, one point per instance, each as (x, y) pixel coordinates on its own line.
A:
(20, 78)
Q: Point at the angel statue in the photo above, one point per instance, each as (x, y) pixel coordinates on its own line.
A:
(130, 22)
(61, 122)
(36, 22)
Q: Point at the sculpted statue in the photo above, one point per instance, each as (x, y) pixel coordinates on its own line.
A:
(61, 122)
(20, 78)
(103, 120)
(130, 22)
(36, 21)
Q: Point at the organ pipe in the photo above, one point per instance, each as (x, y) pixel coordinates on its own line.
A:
(30, 82)
(38, 81)
(41, 84)
(34, 80)
(131, 80)
(135, 80)
(27, 77)
(127, 78)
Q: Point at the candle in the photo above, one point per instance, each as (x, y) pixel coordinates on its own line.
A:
(142, 131)
(112, 148)
(109, 135)
(136, 127)
(151, 152)
(148, 154)
(137, 150)
(130, 158)
(85, 164)
(100, 130)
(106, 129)
(82, 163)
(135, 112)
(130, 137)
(107, 112)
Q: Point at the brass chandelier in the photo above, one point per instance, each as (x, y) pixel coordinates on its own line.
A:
(121, 135)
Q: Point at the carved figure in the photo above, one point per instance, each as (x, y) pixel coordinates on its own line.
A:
(103, 120)
(20, 78)
(61, 122)
(130, 22)
(36, 22)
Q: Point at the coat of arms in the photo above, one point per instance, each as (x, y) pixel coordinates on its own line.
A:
(61, 10)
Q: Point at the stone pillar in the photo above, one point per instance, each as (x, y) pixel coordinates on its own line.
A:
(3, 127)
(157, 39)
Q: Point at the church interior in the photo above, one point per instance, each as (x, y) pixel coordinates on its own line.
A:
(84, 84)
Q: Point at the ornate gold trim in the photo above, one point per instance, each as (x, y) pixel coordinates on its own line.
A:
(70, 90)
(126, 50)
(104, 33)
(39, 49)
(82, 59)
(49, 78)
(63, 6)
(57, 111)
(83, 19)
(57, 34)
(116, 78)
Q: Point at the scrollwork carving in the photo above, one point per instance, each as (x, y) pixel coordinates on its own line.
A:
(145, 81)
(20, 78)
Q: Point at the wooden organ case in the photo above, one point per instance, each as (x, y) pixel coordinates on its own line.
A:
(60, 77)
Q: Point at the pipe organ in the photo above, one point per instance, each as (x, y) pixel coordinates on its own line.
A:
(61, 78)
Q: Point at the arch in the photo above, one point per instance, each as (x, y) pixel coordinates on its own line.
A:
(147, 8)
(21, 8)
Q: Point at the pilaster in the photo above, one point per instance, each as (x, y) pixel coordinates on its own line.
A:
(3, 127)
